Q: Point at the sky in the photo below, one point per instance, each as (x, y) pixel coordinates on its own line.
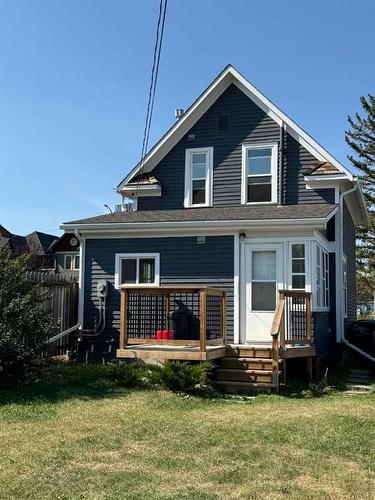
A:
(74, 78)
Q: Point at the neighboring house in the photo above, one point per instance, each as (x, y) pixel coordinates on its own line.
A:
(66, 254)
(37, 244)
(236, 197)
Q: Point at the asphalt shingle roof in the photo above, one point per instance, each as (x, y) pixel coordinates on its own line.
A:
(264, 212)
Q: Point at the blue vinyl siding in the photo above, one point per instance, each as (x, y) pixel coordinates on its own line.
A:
(247, 123)
(182, 261)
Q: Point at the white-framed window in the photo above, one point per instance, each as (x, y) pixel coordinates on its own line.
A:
(137, 269)
(198, 177)
(259, 173)
(345, 284)
(298, 266)
(71, 262)
(322, 278)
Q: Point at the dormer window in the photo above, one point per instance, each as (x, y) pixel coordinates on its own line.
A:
(259, 173)
(198, 177)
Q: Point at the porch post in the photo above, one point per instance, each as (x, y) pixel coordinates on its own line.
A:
(202, 319)
(123, 317)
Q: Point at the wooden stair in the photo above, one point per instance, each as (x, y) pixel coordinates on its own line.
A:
(245, 369)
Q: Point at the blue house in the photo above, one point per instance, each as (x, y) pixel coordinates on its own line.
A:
(240, 246)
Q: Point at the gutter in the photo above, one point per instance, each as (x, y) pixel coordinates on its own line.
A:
(233, 224)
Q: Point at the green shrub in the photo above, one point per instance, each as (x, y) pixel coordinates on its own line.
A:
(24, 324)
(126, 374)
(181, 377)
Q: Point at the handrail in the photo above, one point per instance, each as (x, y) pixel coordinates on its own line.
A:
(277, 331)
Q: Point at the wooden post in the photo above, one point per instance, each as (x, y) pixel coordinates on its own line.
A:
(308, 318)
(224, 318)
(202, 319)
(123, 317)
(275, 361)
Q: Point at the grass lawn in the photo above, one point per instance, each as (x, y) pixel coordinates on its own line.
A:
(77, 436)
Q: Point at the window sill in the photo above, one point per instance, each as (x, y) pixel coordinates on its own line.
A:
(139, 285)
(254, 203)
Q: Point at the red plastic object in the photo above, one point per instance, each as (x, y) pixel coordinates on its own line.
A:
(159, 334)
(165, 334)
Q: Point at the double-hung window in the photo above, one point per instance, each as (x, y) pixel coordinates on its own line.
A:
(259, 173)
(198, 177)
(322, 278)
(137, 269)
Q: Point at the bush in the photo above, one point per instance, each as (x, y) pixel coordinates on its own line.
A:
(126, 374)
(181, 377)
(24, 324)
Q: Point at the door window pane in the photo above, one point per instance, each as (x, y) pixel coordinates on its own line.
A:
(264, 265)
(146, 270)
(76, 262)
(129, 271)
(263, 296)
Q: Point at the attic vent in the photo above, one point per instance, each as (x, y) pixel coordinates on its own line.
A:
(222, 123)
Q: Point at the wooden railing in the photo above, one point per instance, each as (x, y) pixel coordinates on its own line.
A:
(291, 324)
(292, 318)
(192, 315)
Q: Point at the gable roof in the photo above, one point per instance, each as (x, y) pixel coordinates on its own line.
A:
(227, 77)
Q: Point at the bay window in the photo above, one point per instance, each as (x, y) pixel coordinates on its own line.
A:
(298, 256)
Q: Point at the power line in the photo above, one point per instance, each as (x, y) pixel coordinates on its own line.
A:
(153, 81)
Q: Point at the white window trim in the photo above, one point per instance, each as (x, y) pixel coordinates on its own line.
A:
(345, 284)
(72, 255)
(322, 251)
(120, 256)
(209, 151)
(245, 148)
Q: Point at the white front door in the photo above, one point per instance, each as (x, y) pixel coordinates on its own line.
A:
(263, 278)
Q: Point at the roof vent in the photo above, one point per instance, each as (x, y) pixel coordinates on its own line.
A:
(178, 113)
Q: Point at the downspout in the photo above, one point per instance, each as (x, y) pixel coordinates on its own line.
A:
(339, 301)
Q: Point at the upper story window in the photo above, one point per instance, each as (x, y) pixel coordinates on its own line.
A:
(259, 173)
(198, 177)
(137, 269)
(71, 262)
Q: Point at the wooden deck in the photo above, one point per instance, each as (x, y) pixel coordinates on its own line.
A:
(168, 351)
(193, 320)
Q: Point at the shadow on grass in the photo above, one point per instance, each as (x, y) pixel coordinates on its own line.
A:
(59, 381)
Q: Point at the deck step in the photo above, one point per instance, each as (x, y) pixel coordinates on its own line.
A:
(246, 363)
(235, 387)
(238, 375)
(249, 352)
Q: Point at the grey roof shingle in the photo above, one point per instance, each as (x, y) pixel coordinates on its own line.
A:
(264, 212)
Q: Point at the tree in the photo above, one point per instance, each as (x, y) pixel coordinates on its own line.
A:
(24, 324)
(361, 138)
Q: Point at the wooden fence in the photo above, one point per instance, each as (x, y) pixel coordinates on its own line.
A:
(61, 302)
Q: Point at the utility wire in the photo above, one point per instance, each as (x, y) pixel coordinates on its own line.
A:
(152, 86)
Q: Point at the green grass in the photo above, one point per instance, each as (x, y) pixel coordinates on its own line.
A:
(75, 435)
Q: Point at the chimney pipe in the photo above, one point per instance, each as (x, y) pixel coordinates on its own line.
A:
(178, 113)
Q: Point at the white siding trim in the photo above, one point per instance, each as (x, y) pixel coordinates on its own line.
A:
(236, 290)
